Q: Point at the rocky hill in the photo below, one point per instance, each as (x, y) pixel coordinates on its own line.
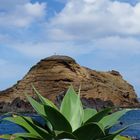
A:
(53, 75)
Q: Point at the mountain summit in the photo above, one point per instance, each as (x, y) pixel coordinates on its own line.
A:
(53, 75)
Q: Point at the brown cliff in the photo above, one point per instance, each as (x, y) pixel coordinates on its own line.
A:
(53, 75)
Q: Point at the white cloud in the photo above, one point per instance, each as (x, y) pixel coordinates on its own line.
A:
(88, 19)
(10, 4)
(116, 44)
(36, 9)
(86, 25)
(113, 46)
(43, 49)
(22, 13)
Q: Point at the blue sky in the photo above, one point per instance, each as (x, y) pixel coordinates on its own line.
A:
(100, 34)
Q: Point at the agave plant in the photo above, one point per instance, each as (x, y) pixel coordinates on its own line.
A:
(70, 122)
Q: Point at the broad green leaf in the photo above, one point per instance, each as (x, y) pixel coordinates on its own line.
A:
(88, 113)
(18, 138)
(21, 122)
(40, 110)
(110, 120)
(71, 108)
(113, 135)
(28, 125)
(10, 137)
(6, 136)
(58, 121)
(43, 100)
(91, 131)
(37, 106)
(121, 138)
(42, 132)
(110, 137)
(65, 135)
(27, 135)
(48, 125)
(31, 136)
(97, 117)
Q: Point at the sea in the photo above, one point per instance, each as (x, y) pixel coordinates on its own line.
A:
(131, 117)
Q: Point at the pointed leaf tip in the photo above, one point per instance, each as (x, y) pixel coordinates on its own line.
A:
(72, 109)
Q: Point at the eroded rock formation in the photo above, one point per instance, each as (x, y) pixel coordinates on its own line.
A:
(53, 75)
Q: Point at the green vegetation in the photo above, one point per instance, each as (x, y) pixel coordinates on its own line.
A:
(70, 122)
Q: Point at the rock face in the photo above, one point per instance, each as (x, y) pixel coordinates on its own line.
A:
(53, 75)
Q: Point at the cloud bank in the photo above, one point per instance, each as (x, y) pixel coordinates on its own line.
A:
(20, 13)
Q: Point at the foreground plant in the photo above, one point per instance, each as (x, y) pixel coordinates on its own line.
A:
(70, 122)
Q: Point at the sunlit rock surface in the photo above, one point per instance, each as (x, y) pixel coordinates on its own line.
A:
(53, 75)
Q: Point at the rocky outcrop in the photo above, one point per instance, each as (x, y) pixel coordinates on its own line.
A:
(53, 75)
(17, 105)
